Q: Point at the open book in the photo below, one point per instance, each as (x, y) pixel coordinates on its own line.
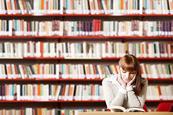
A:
(122, 109)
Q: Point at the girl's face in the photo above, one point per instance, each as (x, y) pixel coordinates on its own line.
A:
(127, 76)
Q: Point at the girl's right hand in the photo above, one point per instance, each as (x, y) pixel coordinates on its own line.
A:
(122, 83)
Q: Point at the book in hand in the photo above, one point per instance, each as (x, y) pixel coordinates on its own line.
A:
(122, 109)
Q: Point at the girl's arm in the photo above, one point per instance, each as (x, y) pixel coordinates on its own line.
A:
(137, 101)
(113, 95)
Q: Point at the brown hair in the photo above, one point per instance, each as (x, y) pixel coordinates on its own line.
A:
(130, 63)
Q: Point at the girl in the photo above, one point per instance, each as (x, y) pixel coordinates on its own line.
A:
(127, 89)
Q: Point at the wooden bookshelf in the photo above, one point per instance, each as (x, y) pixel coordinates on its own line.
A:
(160, 80)
(74, 80)
(63, 59)
(90, 38)
(51, 80)
(85, 15)
(55, 104)
(143, 59)
(62, 104)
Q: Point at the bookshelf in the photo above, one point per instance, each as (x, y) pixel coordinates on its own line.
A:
(73, 80)
(67, 104)
(162, 36)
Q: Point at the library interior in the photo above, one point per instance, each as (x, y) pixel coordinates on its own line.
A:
(55, 54)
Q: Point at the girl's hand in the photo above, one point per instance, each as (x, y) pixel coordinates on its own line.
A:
(130, 82)
(122, 83)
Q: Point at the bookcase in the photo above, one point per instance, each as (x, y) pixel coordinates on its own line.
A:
(54, 54)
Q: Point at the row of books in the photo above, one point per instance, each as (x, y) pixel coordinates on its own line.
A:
(159, 92)
(45, 92)
(84, 28)
(103, 6)
(117, 7)
(78, 71)
(31, 7)
(45, 111)
(157, 70)
(158, 6)
(85, 49)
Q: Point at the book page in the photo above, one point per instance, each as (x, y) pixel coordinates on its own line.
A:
(117, 109)
(122, 109)
(135, 110)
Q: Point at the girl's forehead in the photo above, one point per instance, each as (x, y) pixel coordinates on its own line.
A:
(128, 68)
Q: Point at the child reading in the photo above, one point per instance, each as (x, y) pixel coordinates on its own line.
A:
(128, 88)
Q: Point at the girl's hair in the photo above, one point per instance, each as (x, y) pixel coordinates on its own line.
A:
(131, 64)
